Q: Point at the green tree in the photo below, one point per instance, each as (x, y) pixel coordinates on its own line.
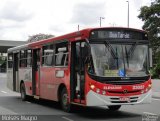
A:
(38, 37)
(151, 17)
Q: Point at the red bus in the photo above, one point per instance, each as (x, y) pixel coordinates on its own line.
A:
(93, 67)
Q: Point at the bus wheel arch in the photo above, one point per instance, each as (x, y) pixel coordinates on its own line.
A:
(63, 98)
(60, 90)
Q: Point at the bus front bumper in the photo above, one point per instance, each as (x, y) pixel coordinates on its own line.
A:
(95, 99)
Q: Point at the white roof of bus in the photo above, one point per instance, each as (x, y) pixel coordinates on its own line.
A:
(17, 48)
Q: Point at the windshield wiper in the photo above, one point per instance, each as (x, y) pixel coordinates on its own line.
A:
(127, 56)
(107, 44)
(131, 50)
(114, 55)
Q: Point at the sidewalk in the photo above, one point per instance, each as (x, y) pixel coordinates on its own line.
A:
(156, 95)
(156, 88)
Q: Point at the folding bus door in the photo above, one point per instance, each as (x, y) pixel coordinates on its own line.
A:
(77, 71)
(15, 72)
(36, 72)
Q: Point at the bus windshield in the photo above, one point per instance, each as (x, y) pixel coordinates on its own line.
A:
(120, 60)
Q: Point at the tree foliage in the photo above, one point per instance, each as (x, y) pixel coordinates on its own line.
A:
(38, 37)
(151, 17)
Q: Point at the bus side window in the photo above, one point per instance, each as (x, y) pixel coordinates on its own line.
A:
(62, 54)
(60, 57)
(29, 58)
(10, 60)
(23, 58)
(47, 58)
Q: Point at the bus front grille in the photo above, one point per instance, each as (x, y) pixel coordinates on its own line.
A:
(125, 82)
(122, 92)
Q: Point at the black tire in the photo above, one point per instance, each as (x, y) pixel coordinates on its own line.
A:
(66, 106)
(24, 97)
(114, 107)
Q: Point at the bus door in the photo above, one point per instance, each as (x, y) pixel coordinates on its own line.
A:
(15, 72)
(77, 71)
(36, 72)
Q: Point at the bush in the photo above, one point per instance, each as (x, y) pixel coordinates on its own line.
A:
(155, 72)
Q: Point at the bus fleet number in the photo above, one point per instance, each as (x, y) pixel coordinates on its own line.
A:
(138, 87)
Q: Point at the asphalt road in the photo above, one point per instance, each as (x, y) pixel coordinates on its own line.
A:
(13, 109)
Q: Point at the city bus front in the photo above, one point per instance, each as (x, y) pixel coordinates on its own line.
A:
(118, 68)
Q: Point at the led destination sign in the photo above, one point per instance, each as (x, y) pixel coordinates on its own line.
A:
(118, 34)
(115, 35)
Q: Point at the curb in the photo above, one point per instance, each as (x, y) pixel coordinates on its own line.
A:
(156, 94)
(155, 97)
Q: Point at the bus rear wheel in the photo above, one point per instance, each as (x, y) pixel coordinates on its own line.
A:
(66, 106)
(23, 92)
(114, 107)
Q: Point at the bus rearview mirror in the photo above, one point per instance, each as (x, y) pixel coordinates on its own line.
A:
(150, 58)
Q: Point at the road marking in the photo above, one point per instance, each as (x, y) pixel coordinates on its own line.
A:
(155, 99)
(27, 102)
(5, 111)
(68, 119)
(149, 113)
(3, 92)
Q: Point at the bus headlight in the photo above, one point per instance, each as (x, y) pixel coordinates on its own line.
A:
(149, 86)
(142, 91)
(103, 92)
(92, 86)
(98, 90)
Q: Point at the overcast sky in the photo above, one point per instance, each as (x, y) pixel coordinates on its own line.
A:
(22, 18)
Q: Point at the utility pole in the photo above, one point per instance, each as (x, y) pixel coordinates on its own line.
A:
(100, 20)
(128, 14)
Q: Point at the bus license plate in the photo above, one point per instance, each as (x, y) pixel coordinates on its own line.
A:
(124, 99)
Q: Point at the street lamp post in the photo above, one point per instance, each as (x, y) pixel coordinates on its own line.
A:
(128, 14)
(100, 20)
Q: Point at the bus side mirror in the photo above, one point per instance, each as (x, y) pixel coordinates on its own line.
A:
(150, 58)
(85, 50)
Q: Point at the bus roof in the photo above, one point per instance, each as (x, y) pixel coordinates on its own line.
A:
(74, 36)
(17, 48)
(78, 35)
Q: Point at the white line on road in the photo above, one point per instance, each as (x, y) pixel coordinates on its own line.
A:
(149, 113)
(155, 99)
(68, 119)
(3, 91)
(27, 102)
(5, 111)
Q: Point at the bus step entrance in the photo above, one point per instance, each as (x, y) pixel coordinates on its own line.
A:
(36, 97)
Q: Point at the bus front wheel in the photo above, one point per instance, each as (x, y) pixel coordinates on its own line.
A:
(66, 106)
(23, 92)
(114, 107)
